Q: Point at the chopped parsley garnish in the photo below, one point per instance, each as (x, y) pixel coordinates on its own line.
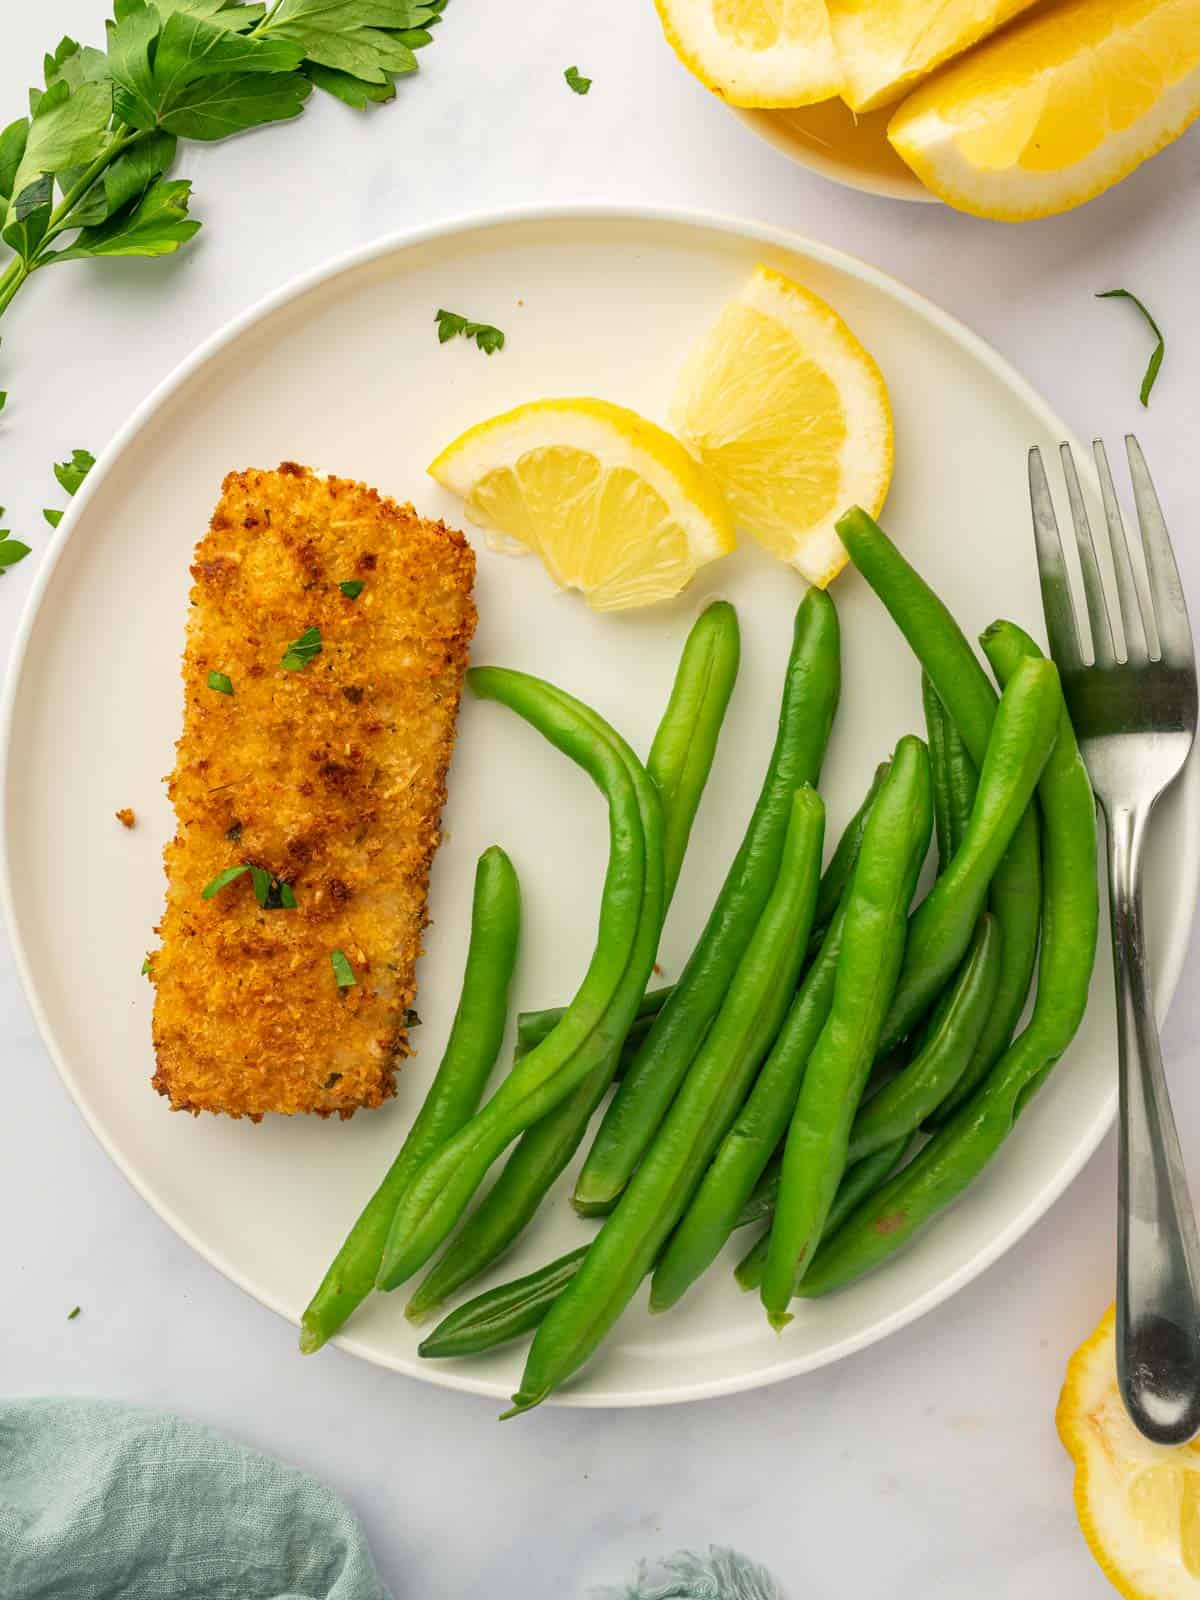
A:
(411, 1019)
(72, 472)
(450, 325)
(343, 972)
(221, 682)
(577, 81)
(302, 650)
(352, 588)
(145, 973)
(271, 892)
(11, 550)
(52, 515)
(1160, 349)
(73, 1313)
(223, 880)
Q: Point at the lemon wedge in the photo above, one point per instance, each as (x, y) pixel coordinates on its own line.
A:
(1057, 108)
(756, 52)
(790, 415)
(1138, 1503)
(614, 506)
(885, 47)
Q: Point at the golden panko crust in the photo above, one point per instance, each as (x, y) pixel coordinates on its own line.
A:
(332, 778)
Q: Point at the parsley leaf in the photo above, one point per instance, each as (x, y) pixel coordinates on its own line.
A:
(145, 973)
(260, 878)
(74, 470)
(450, 325)
(577, 81)
(52, 515)
(343, 972)
(154, 225)
(302, 650)
(221, 682)
(1160, 349)
(73, 1313)
(352, 588)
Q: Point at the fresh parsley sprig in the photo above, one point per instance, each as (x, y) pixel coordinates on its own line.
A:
(84, 174)
(450, 325)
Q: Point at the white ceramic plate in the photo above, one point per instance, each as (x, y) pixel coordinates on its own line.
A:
(343, 370)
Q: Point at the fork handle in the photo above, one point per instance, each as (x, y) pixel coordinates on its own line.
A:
(1158, 1252)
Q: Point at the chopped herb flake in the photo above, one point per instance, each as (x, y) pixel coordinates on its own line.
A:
(287, 897)
(302, 650)
(73, 1313)
(52, 515)
(261, 879)
(1160, 349)
(577, 81)
(343, 972)
(450, 325)
(71, 473)
(411, 1019)
(352, 588)
(146, 967)
(221, 682)
(223, 880)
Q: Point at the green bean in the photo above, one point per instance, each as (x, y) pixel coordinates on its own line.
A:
(761, 1123)
(946, 1046)
(809, 700)
(626, 1246)
(961, 1149)
(630, 918)
(873, 945)
(534, 1026)
(858, 1181)
(970, 701)
(470, 1054)
(682, 756)
(1022, 737)
(760, 1207)
(502, 1314)
(954, 777)
(838, 873)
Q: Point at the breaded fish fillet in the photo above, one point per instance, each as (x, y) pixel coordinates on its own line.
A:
(329, 775)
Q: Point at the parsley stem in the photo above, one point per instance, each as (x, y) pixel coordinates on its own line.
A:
(11, 279)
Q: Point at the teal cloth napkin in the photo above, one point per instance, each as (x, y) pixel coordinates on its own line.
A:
(720, 1575)
(99, 1500)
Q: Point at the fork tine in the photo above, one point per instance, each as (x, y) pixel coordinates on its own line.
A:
(1170, 607)
(1052, 570)
(1137, 634)
(1103, 650)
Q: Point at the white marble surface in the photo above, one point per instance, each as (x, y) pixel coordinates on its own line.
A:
(928, 1464)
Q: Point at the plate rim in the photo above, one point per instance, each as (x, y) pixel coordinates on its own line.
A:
(1169, 962)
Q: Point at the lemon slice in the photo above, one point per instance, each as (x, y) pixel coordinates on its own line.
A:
(790, 415)
(885, 47)
(1056, 109)
(1138, 1503)
(614, 506)
(756, 52)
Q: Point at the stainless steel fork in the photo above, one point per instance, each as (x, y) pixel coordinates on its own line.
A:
(1134, 711)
